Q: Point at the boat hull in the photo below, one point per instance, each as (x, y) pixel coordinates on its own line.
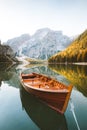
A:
(56, 100)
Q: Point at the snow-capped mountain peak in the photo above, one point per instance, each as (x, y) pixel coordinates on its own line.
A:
(44, 43)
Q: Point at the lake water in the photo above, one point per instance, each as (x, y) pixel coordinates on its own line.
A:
(21, 111)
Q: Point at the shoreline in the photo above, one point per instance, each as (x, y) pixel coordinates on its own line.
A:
(74, 63)
(80, 63)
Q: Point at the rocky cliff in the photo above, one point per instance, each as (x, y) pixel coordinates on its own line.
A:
(43, 44)
(7, 54)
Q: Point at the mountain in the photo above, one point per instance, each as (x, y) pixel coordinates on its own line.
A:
(17, 42)
(7, 54)
(75, 52)
(43, 44)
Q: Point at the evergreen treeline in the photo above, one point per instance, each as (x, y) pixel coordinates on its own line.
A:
(75, 52)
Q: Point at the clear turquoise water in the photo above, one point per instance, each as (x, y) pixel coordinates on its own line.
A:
(22, 111)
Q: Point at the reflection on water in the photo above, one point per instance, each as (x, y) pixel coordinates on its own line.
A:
(5, 75)
(5, 66)
(41, 115)
(9, 75)
(76, 74)
(44, 69)
(44, 117)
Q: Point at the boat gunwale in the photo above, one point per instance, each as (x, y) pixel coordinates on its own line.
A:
(44, 90)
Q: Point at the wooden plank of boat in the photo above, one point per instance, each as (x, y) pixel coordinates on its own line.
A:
(55, 94)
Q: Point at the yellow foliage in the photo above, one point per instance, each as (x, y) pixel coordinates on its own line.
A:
(76, 51)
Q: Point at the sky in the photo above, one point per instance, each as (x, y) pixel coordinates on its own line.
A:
(19, 17)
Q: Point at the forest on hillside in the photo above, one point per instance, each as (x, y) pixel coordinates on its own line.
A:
(75, 52)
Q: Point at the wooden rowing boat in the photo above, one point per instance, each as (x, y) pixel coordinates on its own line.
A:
(55, 94)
